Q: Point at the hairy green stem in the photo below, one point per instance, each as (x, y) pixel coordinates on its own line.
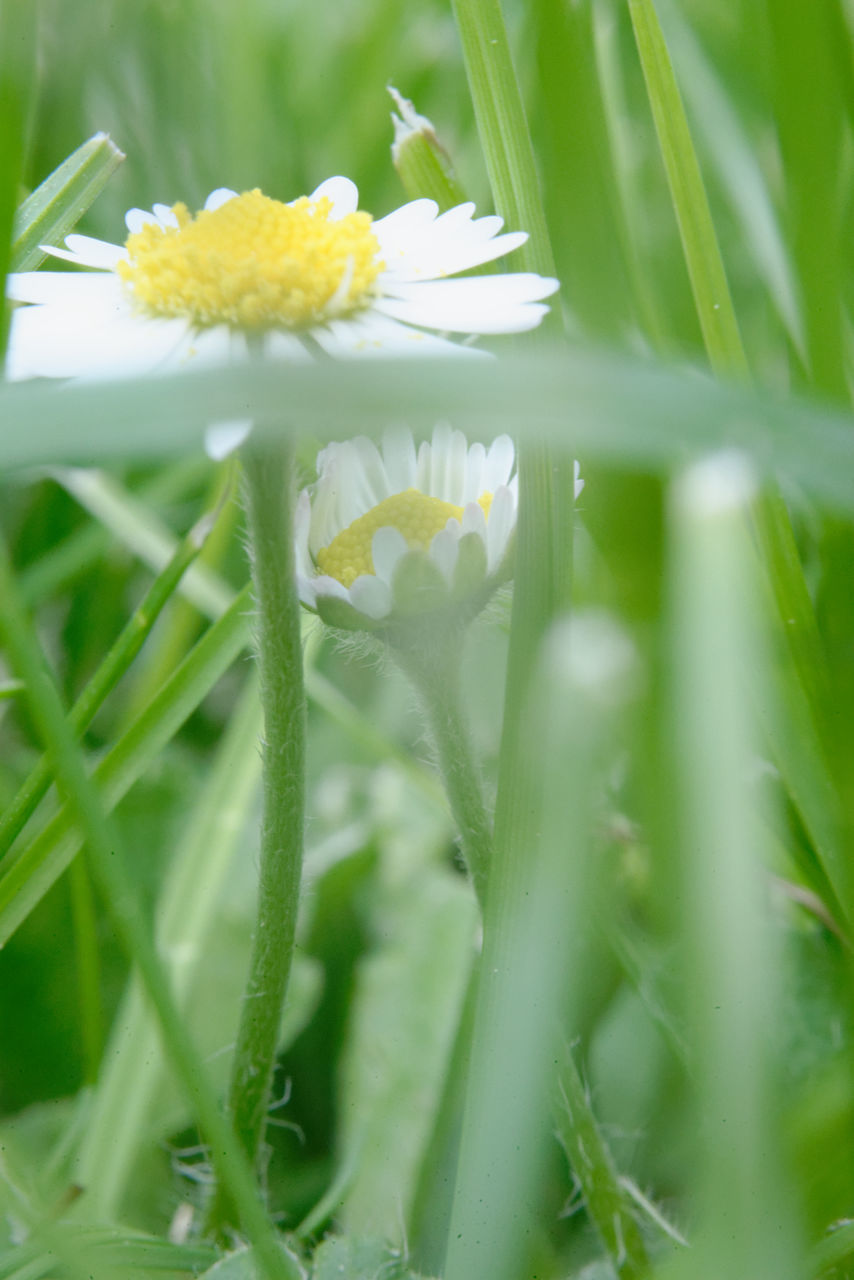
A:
(593, 1166)
(269, 503)
(435, 671)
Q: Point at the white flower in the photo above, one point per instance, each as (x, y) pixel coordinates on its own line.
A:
(390, 533)
(248, 272)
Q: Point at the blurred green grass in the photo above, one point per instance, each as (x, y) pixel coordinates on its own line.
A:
(201, 94)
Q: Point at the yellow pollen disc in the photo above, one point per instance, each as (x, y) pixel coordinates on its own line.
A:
(255, 263)
(418, 517)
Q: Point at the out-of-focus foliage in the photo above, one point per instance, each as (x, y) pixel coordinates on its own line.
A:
(281, 94)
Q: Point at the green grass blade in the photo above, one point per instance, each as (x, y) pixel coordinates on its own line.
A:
(637, 414)
(134, 525)
(531, 926)
(111, 670)
(63, 562)
(809, 109)
(39, 865)
(690, 204)
(58, 204)
(732, 969)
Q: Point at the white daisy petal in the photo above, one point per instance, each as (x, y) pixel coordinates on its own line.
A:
(399, 457)
(388, 546)
(474, 521)
(326, 586)
(302, 525)
(377, 335)
(285, 347)
(86, 251)
(455, 471)
(579, 483)
(445, 549)
(218, 198)
(428, 263)
(136, 219)
(482, 304)
(343, 193)
(499, 526)
(165, 215)
(396, 231)
(224, 437)
(306, 589)
(475, 484)
(371, 596)
(369, 481)
(499, 463)
(66, 288)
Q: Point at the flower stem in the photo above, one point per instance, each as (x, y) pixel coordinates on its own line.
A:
(435, 671)
(279, 650)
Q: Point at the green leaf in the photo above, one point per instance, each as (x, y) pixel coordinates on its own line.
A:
(403, 1017)
(354, 1258)
(241, 1265)
(58, 204)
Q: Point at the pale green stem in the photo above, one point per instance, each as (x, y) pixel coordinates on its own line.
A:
(269, 502)
(84, 800)
(435, 671)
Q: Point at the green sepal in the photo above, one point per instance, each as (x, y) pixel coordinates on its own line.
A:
(470, 569)
(340, 614)
(418, 586)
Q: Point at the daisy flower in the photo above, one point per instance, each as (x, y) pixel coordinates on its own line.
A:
(247, 272)
(391, 533)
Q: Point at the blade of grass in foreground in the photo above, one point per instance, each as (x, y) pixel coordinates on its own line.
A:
(579, 690)
(731, 970)
(105, 853)
(638, 414)
(40, 864)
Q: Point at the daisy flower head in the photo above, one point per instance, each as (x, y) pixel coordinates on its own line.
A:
(391, 534)
(249, 273)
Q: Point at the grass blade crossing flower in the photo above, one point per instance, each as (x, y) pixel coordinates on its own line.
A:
(393, 532)
(316, 276)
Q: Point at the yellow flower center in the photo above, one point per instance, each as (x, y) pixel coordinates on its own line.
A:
(255, 263)
(418, 517)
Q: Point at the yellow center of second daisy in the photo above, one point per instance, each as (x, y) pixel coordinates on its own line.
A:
(255, 263)
(418, 517)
